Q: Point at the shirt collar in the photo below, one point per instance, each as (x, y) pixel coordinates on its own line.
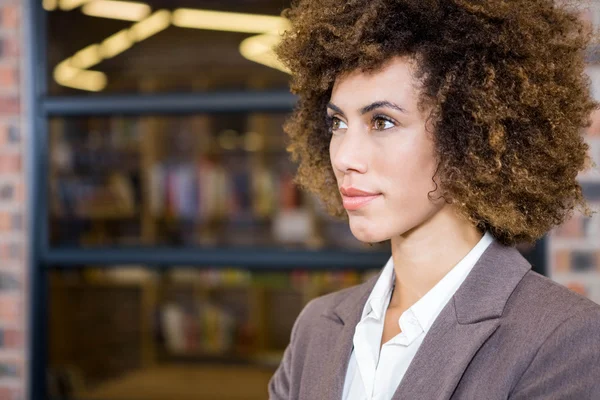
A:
(430, 305)
(381, 293)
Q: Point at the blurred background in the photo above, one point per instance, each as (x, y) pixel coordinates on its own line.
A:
(152, 242)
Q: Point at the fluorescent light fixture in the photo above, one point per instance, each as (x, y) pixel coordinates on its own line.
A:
(87, 57)
(155, 23)
(228, 21)
(67, 75)
(116, 44)
(67, 5)
(50, 5)
(125, 10)
(93, 81)
(73, 72)
(259, 49)
(64, 72)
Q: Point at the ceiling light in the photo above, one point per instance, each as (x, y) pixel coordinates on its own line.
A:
(49, 5)
(67, 75)
(116, 44)
(155, 23)
(87, 57)
(228, 21)
(259, 49)
(67, 5)
(125, 10)
(64, 72)
(93, 81)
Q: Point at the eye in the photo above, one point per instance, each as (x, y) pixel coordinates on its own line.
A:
(335, 123)
(381, 122)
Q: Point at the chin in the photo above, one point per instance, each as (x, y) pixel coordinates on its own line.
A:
(366, 231)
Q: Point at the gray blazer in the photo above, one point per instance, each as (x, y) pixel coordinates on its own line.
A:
(507, 333)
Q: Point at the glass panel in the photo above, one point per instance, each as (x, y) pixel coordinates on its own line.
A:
(202, 180)
(165, 46)
(178, 333)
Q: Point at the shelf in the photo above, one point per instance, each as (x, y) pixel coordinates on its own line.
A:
(267, 359)
(249, 257)
(184, 382)
(175, 103)
(208, 357)
(98, 216)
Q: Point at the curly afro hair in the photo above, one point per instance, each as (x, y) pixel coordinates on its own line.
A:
(505, 83)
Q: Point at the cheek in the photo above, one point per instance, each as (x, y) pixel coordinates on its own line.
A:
(407, 168)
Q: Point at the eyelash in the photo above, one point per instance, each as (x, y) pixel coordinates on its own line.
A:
(330, 120)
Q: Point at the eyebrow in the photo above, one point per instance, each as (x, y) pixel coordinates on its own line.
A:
(369, 107)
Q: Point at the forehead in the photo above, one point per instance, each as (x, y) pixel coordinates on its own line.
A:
(393, 81)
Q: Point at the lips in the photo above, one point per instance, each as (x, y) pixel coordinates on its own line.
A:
(354, 198)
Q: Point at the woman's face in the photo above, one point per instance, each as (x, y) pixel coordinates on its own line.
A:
(382, 156)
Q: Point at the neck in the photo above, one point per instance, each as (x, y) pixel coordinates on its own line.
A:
(425, 254)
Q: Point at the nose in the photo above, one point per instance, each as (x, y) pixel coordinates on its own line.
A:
(349, 152)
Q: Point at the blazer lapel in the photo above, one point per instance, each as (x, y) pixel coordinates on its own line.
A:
(443, 356)
(465, 323)
(344, 315)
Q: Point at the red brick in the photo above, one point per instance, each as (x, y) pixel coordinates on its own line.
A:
(10, 221)
(18, 394)
(13, 339)
(11, 251)
(562, 261)
(10, 393)
(9, 47)
(10, 163)
(5, 221)
(9, 77)
(10, 309)
(10, 105)
(10, 16)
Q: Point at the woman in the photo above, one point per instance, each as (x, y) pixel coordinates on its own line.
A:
(452, 128)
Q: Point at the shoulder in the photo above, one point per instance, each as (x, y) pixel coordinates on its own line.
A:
(317, 305)
(564, 329)
(320, 306)
(540, 308)
(540, 293)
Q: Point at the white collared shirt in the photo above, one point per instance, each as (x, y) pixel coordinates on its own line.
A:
(374, 374)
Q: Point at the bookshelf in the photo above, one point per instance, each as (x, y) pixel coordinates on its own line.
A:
(190, 181)
(179, 164)
(107, 323)
(220, 181)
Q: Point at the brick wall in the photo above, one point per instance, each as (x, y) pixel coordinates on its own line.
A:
(13, 263)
